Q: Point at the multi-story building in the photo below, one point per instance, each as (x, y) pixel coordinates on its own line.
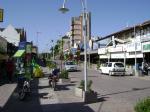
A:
(128, 45)
(13, 36)
(77, 29)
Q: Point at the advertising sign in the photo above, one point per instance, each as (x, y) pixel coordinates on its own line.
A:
(22, 45)
(34, 50)
(146, 47)
(29, 48)
(115, 49)
(145, 37)
(1, 15)
(132, 46)
(102, 51)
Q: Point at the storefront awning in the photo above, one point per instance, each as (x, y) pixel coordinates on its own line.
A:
(19, 53)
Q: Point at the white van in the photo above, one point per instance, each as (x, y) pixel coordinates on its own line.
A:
(113, 68)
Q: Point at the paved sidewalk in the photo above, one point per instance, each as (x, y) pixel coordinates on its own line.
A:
(61, 100)
(5, 92)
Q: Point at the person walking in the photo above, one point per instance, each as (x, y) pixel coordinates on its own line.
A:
(10, 69)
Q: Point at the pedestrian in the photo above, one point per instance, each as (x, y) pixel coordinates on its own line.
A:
(10, 69)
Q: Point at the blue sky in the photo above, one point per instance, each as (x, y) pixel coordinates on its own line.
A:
(34, 16)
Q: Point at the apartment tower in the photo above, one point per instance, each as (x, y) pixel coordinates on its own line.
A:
(77, 29)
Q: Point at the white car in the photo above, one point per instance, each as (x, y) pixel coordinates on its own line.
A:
(70, 66)
(113, 68)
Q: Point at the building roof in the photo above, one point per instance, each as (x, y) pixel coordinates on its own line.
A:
(123, 30)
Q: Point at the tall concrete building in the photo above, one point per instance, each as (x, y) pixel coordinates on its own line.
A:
(77, 29)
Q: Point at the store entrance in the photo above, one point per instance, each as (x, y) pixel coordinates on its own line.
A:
(147, 57)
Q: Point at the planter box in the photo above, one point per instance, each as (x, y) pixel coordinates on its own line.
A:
(90, 97)
(79, 92)
(64, 80)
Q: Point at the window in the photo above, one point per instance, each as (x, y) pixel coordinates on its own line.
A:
(119, 65)
(69, 63)
(109, 64)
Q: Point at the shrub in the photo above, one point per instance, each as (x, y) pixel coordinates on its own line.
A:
(51, 64)
(98, 65)
(64, 74)
(143, 105)
(89, 84)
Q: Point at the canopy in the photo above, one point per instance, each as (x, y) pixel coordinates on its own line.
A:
(19, 53)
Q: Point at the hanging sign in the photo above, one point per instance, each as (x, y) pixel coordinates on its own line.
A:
(1, 15)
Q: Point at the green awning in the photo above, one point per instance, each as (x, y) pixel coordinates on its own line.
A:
(19, 53)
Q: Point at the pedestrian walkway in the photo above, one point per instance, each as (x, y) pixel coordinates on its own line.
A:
(61, 100)
(49, 97)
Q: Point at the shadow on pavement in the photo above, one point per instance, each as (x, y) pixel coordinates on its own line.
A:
(30, 104)
(61, 87)
(42, 87)
(67, 107)
(132, 90)
(75, 71)
(0, 109)
(73, 81)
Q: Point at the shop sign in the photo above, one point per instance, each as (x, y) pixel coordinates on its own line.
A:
(22, 45)
(1, 15)
(34, 50)
(102, 51)
(115, 49)
(146, 47)
(145, 38)
(117, 55)
(29, 48)
(132, 46)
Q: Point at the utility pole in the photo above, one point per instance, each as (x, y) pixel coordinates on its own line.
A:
(37, 40)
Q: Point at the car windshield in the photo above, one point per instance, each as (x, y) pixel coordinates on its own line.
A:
(70, 63)
(119, 65)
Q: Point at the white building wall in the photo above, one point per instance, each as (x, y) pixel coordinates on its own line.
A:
(11, 35)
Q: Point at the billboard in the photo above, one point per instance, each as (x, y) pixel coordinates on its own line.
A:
(28, 48)
(22, 45)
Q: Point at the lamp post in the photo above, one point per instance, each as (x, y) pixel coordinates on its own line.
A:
(53, 48)
(135, 52)
(84, 10)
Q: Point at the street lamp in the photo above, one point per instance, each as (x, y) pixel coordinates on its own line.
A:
(84, 10)
(135, 45)
(63, 9)
(53, 48)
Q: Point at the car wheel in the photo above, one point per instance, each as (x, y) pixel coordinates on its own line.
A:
(100, 71)
(110, 73)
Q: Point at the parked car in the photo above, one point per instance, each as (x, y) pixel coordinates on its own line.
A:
(70, 66)
(113, 68)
